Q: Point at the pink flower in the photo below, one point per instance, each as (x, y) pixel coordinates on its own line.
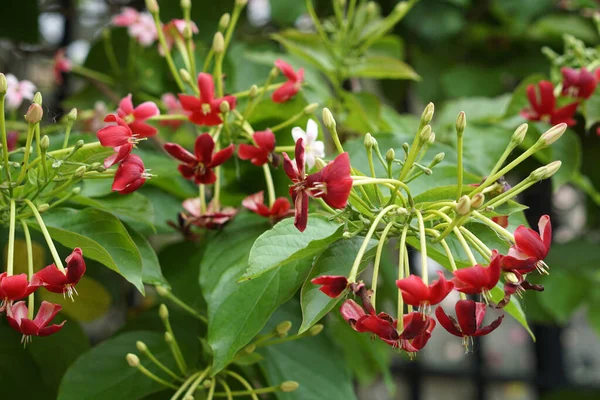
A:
(17, 91)
(62, 65)
(544, 108)
(135, 117)
(205, 110)
(119, 137)
(174, 107)
(143, 30)
(128, 17)
(174, 32)
(130, 175)
(256, 203)
(17, 319)
(290, 88)
(214, 216)
(53, 280)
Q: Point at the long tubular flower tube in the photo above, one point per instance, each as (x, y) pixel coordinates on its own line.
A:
(11, 239)
(31, 298)
(47, 236)
(402, 272)
(423, 245)
(376, 264)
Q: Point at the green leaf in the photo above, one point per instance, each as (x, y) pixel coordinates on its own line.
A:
(363, 112)
(564, 292)
(336, 260)
(591, 109)
(382, 67)
(151, 272)
(103, 373)
(554, 27)
(513, 308)
(284, 243)
(519, 97)
(101, 237)
(477, 109)
(308, 46)
(237, 312)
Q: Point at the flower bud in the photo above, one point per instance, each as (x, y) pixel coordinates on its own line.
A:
(72, 115)
(401, 7)
(342, 3)
(274, 73)
(405, 147)
(253, 92)
(477, 200)
(76, 191)
(224, 107)
(3, 84)
(425, 134)
(169, 339)
(207, 383)
(186, 4)
(188, 397)
(328, 119)
(461, 123)
(390, 155)
(79, 144)
(163, 312)
(141, 346)
(538, 174)
(439, 157)
(427, 115)
(224, 21)
(37, 98)
(289, 386)
(78, 174)
(43, 207)
(187, 32)
(519, 134)
(162, 291)
(552, 168)
(250, 348)
(309, 109)
(34, 114)
(152, 6)
(371, 8)
(283, 328)
(463, 205)
(185, 75)
(553, 134)
(320, 163)
(44, 143)
(510, 277)
(241, 2)
(219, 43)
(315, 329)
(133, 360)
(431, 139)
(368, 141)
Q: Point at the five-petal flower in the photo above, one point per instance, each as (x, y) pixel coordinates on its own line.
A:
(478, 279)
(313, 148)
(260, 153)
(530, 248)
(135, 117)
(290, 88)
(331, 285)
(580, 83)
(544, 108)
(14, 287)
(17, 319)
(470, 316)
(416, 293)
(256, 203)
(130, 175)
(205, 109)
(53, 280)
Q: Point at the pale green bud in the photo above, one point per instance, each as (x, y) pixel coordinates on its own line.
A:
(477, 200)
(309, 109)
(315, 329)
(224, 107)
(390, 155)
(3, 84)
(152, 6)
(185, 75)
(289, 386)
(37, 98)
(283, 328)
(328, 119)
(219, 43)
(141, 346)
(320, 163)
(163, 311)
(186, 4)
(79, 172)
(519, 134)
(425, 134)
(461, 123)
(34, 114)
(72, 116)
(43, 207)
(44, 143)
(224, 21)
(133, 360)
(553, 134)
(253, 91)
(427, 115)
(463, 205)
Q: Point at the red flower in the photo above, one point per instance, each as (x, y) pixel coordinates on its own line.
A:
(14, 287)
(213, 218)
(279, 210)
(530, 248)
(332, 285)
(62, 65)
(12, 138)
(130, 175)
(470, 317)
(292, 86)
(333, 183)
(262, 152)
(174, 32)
(580, 83)
(417, 331)
(135, 117)
(119, 137)
(17, 319)
(55, 281)
(515, 282)
(501, 220)
(545, 109)
(173, 106)
(478, 279)
(200, 164)
(205, 110)
(381, 325)
(416, 293)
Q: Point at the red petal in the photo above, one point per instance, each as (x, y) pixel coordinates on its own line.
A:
(130, 171)
(255, 203)
(284, 92)
(14, 287)
(491, 327)
(338, 184)
(447, 322)
(52, 329)
(280, 207)
(415, 324)
(471, 280)
(547, 99)
(190, 103)
(207, 177)
(529, 242)
(126, 105)
(203, 149)
(180, 153)
(122, 153)
(187, 171)
(301, 218)
(28, 328)
(257, 155)
(532, 96)
(46, 313)
(545, 227)
(380, 327)
(414, 291)
(467, 313)
(333, 286)
(286, 69)
(564, 114)
(265, 140)
(75, 266)
(114, 135)
(145, 110)
(52, 278)
(206, 84)
(290, 168)
(17, 312)
(143, 130)
(351, 312)
(440, 289)
(221, 156)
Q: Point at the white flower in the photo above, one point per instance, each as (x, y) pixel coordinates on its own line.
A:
(259, 12)
(313, 148)
(17, 91)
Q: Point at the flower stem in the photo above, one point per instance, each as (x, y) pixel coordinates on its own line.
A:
(235, 16)
(240, 379)
(202, 199)
(500, 230)
(263, 89)
(31, 298)
(169, 295)
(184, 386)
(401, 275)
(11, 239)
(459, 166)
(478, 244)
(155, 378)
(378, 261)
(281, 149)
(91, 74)
(211, 390)
(423, 245)
(25, 162)
(168, 117)
(288, 122)
(270, 186)
(110, 52)
(170, 63)
(47, 236)
(5, 145)
(162, 366)
(227, 390)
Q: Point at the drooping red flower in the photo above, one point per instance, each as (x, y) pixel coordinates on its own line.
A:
(530, 248)
(119, 137)
(470, 316)
(214, 217)
(260, 153)
(14, 287)
(53, 280)
(417, 331)
(501, 220)
(381, 325)
(199, 165)
(478, 279)
(292, 86)
(416, 293)
(515, 282)
(135, 117)
(205, 110)
(332, 285)
(332, 183)
(17, 319)
(256, 203)
(544, 108)
(62, 65)
(580, 83)
(130, 175)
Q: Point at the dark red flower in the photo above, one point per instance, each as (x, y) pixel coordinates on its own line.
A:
(332, 183)
(381, 325)
(214, 216)
(332, 285)
(135, 117)
(55, 281)
(260, 153)
(14, 287)
(62, 65)
(470, 316)
(17, 319)
(416, 293)
(130, 175)
(417, 331)
(200, 164)
(501, 220)
(256, 203)
(119, 137)
(580, 83)
(292, 86)
(478, 279)
(515, 282)
(205, 109)
(544, 108)
(530, 248)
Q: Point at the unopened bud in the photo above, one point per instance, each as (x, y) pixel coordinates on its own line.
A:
(519, 134)
(425, 134)
(427, 115)
(463, 205)
(78, 144)
(34, 114)
(219, 43)
(431, 139)
(427, 171)
(163, 312)
(44, 143)
(162, 291)
(43, 207)
(368, 141)
(371, 8)
(185, 75)
(3, 84)
(97, 167)
(141, 346)
(224, 107)
(72, 116)
(224, 21)
(510, 277)
(76, 190)
(328, 119)
(253, 92)
(342, 3)
(187, 32)
(274, 73)
(207, 383)
(477, 200)
(250, 348)
(283, 328)
(133, 360)
(320, 163)
(553, 134)
(439, 157)
(152, 6)
(309, 109)
(552, 168)
(289, 386)
(461, 123)
(186, 4)
(169, 338)
(405, 147)
(315, 330)
(390, 155)
(538, 174)
(79, 172)
(37, 98)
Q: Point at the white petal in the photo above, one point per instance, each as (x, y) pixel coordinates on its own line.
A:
(11, 80)
(317, 148)
(310, 160)
(312, 131)
(298, 133)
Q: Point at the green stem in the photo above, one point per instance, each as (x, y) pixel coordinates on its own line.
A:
(401, 275)
(235, 15)
(266, 88)
(155, 378)
(511, 193)
(459, 166)
(91, 74)
(202, 199)
(423, 245)
(219, 73)
(110, 52)
(11, 239)
(244, 383)
(270, 185)
(176, 300)
(170, 63)
(5, 145)
(288, 122)
(162, 366)
(319, 27)
(378, 261)
(31, 298)
(169, 117)
(500, 230)
(184, 386)
(281, 149)
(47, 236)
(25, 162)
(227, 390)
(478, 244)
